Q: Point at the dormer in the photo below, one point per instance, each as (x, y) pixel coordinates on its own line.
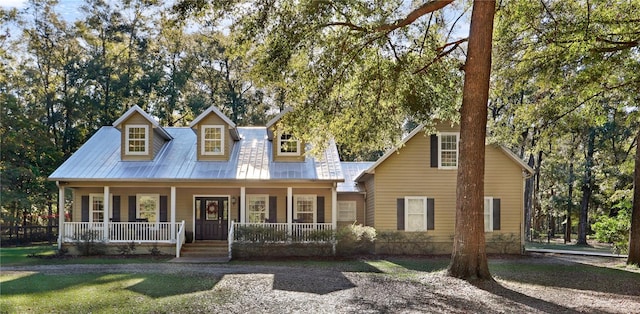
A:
(216, 135)
(285, 147)
(141, 136)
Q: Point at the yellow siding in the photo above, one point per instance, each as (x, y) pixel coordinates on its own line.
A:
(408, 173)
(370, 202)
(214, 119)
(136, 118)
(274, 150)
(359, 199)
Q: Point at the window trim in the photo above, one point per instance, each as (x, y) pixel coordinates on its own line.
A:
(157, 210)
(203, 140)
(314, 199)
(484, 214)
(146, 139)
(440, 151)
(266, 207)
(91, 210)
(354, 214)
(424, 212)
(292, 139)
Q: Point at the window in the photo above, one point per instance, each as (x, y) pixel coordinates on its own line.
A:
(347, 211)
(448, 150)
(148, 206)
(96, 207)
(488, 214)
(137, 139)
(304, 209)
(288, 145)
(258, 208)
(212, 140)
(415, 213)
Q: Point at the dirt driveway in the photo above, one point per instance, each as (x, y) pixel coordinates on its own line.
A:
(523, 285)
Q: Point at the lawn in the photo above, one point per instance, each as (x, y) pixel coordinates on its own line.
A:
(523, 284)
(45, 255)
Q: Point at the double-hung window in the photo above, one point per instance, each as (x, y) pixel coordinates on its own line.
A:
(212, 140)
(288, 145)
(347, 211)
(137, 139)
(488, 214)
(258, 208)
(304, 209)
(96, 207)
(148, 206)
(415, 213)
(448, 150)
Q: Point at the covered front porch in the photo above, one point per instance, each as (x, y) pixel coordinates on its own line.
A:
(252, 213)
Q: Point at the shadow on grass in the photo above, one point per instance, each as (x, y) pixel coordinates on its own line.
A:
(321, 283)
(151, 285)
(573, 275)
(521, 299)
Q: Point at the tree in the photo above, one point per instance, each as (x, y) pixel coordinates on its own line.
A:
(634, 237)
(469, 259)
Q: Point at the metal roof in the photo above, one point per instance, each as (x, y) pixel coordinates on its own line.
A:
(251, 159)
(351, 170)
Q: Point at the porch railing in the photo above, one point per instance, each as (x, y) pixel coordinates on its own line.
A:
(119, 231)
(281, 232)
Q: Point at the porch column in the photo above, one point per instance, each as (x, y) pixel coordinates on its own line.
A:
(107, 203)
(289, 208)
(173, 214)
(243, 204)
(334, 207)
(60, 214)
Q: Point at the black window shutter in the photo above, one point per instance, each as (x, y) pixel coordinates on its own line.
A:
(434, 151)
(320, 204)
(132, 208)
(85, 208)
(273, 208)
(400, 214)
(496, 214)
(430, 209)
(116, 208)
(163, 208)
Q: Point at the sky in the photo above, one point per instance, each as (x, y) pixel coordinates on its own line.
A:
(69, 9)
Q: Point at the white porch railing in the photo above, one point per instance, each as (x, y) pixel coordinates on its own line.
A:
(280, 232)
(159, 232)
(180, 239)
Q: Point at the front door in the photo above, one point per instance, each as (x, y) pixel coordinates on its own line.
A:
(211, 218)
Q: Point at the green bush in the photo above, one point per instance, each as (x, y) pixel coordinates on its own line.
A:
(614, 230)
(355, 239)
(259, 234)
(90, 243)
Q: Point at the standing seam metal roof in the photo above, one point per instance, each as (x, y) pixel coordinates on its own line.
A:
(250, 159)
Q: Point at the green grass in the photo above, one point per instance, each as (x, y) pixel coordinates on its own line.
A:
(45, 255)
(603, 248)
(101, 293)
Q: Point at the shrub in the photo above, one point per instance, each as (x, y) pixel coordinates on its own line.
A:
(355, 239)
(614, 230)
(154, 250)
(90, 243)
(127, 248)
(259, 234)
(405, 243)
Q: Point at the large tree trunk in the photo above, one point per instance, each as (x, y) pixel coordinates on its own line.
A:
(469, 258)
(587, 190)
(634, 237)
(528, 200)
(567, 231)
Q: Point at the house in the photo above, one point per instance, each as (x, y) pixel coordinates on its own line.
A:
(139, 182)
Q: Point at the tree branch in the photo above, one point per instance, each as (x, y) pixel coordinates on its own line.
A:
(442, 53)
(618, 45)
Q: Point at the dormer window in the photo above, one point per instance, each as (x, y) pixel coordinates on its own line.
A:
(288, 145)
(137, 139)
(212, 140)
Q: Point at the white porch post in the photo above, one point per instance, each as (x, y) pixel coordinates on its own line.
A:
(289, 208)
(60, 214)
(107, 203)
(334, 207)
(243, 204)
(173, 214)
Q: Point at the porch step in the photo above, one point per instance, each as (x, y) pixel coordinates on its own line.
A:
(205, 249)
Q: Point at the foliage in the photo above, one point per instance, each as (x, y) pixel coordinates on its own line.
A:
(404, 243)
(355, 239)
(259, 234)
(90, 243)
(127, 248)
(154, 250)
(614, 230)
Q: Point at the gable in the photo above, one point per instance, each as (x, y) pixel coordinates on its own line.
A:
(216, 135)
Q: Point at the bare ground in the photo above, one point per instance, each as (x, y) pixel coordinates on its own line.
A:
(534, 284)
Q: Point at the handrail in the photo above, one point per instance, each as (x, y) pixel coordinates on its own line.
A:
(180, 240)
(230, 238)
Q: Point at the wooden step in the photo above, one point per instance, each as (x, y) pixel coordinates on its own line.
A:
(205, 249)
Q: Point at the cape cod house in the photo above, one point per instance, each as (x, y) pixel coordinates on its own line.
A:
(139, 182)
